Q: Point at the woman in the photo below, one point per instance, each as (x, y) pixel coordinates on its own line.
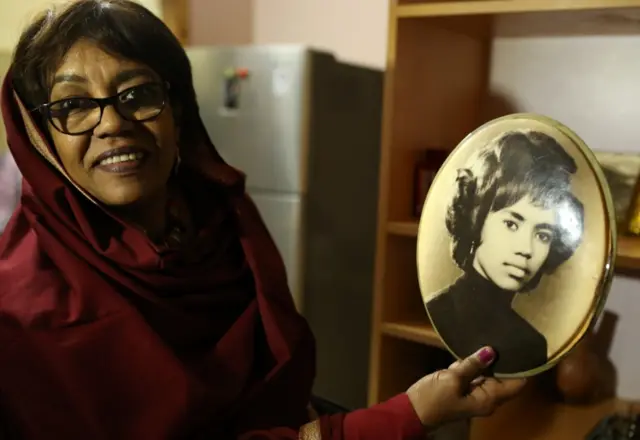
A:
(513, 218)
(142, 296)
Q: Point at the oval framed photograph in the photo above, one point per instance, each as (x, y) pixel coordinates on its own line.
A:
(516, 244)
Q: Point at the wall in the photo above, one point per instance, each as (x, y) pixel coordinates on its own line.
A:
(15, 15)
(355, 30)
(220, 22)
(591, 83)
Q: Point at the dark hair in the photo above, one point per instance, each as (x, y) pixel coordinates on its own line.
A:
(120, 27)
(516, 165)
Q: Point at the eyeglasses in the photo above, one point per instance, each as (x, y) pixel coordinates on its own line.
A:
(76, 116)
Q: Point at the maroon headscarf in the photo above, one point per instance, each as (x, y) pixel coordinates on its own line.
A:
(104, 335)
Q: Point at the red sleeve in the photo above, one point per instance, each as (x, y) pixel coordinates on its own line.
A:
(394, 419)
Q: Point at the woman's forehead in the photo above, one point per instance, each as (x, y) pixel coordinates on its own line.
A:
(87, 61)
(526, 209)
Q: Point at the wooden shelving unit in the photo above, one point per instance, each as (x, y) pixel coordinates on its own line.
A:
(409, 8)
(436, 88)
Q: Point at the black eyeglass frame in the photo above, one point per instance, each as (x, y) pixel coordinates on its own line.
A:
(103, 103)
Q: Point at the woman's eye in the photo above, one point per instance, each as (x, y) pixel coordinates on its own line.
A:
(544, 237)
(128, 95)
(137, 92)
(70, 104)
(511, 225)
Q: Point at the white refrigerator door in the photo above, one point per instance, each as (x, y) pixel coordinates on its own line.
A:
(282, 214)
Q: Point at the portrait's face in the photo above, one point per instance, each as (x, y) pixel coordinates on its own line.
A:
(515, 243)
(119, 159)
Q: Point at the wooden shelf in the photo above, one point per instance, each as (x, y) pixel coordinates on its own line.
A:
(407, 229)
(419, 332)
(628, 247)
(476, 7)
(540, 418)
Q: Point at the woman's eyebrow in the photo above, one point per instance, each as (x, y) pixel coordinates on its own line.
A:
(68, 77)
(516, 215)
(121, 77)
(129, 74)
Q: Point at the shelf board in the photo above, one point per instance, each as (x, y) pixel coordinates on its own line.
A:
(487, 7)
(628, 257)
(533, 416)
(419, 332)
(407, 229)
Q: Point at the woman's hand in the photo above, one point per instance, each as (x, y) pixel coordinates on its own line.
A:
(460, 391)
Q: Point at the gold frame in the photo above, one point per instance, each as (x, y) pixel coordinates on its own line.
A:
(606, 277)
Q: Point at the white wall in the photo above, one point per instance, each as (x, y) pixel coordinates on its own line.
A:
(223, 22)
(16, 14)
(355, 30)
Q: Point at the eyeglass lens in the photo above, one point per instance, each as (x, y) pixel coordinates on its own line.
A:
(79, 115)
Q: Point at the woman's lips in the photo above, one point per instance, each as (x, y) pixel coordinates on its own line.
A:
(517, 271)
(121, 160)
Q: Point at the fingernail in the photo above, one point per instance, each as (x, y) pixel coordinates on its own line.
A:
(486, 355)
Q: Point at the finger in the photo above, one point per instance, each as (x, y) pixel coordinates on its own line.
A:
(479, 402)
(472, 366)
(505, 389)
(475, 382)
(484, 399)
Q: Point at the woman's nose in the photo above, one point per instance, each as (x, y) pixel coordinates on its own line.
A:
(524, 244)
(111, 123)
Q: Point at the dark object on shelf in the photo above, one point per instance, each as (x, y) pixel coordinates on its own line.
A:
(580, 377)
(616, 427)
(425, 171)
(587, 375)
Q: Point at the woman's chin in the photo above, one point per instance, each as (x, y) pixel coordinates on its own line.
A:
(119, 189)
(120, 197)
(509, 284)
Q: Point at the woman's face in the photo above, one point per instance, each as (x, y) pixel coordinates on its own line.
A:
(119, 162)
(515, 243)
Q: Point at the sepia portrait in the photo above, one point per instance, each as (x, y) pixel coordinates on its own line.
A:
(511, 203)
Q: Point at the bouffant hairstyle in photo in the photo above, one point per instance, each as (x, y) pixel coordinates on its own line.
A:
(515, 165)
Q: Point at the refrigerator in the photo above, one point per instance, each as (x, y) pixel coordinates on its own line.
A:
(305, 128)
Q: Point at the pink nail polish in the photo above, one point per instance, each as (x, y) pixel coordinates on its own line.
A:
(486, 356)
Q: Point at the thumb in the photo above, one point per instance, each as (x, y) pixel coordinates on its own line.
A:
(471, 367)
